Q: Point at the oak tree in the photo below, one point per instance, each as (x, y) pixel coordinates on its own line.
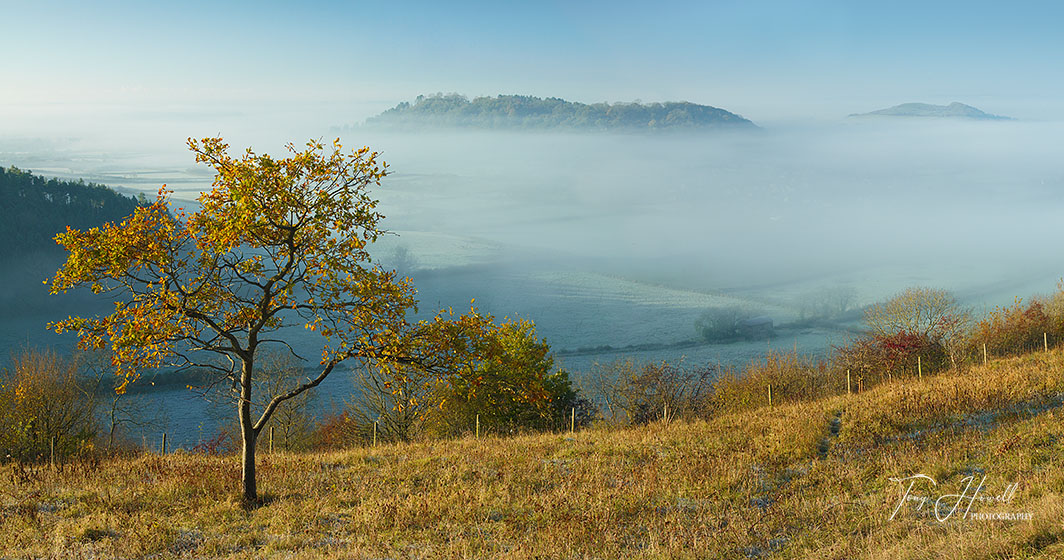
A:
(274, 244)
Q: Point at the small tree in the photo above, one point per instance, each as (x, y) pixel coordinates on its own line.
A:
(637, 393)
(721, 324)
(919, 328)
(826, 303)
(276, 243)
(928, 312)
(511, 388)
(607, 385)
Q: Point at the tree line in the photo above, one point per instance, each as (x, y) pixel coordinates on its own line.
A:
(36, 208)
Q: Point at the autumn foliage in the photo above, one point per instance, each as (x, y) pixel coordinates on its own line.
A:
(1015, 329)
(513, 387)
(275, 244)
(47, 410)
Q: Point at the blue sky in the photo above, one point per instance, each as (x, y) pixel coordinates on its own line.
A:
(766, 60)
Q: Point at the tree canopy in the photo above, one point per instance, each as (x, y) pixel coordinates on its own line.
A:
(928, 312)
(275, 244)
(512, 387)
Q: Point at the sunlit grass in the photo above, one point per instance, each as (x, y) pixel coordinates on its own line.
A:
(798, 480)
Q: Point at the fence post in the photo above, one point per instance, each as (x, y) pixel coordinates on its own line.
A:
(375, 432)
(478, 426)
(51, 457)
(919, 368)
(984, 353)
(770, 394)
(572, 421)
(164, 444)
(271, 440)
(1045, 340)
(848, 382)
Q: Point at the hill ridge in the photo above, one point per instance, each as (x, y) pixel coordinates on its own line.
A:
(955, 109)
(504, 112)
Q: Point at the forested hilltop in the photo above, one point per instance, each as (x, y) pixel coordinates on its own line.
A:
(34, 209)
(527, 112)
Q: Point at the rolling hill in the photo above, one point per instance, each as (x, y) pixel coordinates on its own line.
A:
(954, 110)
(522, 112)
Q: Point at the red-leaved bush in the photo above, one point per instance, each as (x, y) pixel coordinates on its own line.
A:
(875, 358)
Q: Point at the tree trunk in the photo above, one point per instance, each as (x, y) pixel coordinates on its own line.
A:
(114, 423)
(248, 435)
(248, 467)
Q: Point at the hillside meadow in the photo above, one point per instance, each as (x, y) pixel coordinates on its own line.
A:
(798, 480)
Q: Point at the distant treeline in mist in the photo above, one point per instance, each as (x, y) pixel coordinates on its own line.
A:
(527, 112)
(34, 209)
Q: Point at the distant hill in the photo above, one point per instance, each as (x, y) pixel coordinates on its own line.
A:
(526, 112)
(34, 209)
(953, 110)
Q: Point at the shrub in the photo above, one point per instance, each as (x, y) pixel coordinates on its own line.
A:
(223, 443)
(1053, 306)
(725, 324)
(396, 404)
(292, 423)
(1012, 330)
(793, 377)
(659, 385)
(335, 431)
(917, 329)
(639, 393)
(878, 357)
(538, 404)
(43, 400)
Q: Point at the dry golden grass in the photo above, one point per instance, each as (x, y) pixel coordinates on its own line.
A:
(800, 480)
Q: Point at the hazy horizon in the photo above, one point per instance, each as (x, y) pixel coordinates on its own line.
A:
(109, 92)
(294, 70)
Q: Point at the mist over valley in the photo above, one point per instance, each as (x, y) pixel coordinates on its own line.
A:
(615, 244)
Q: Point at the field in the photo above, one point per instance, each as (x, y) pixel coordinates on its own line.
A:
(797, 480)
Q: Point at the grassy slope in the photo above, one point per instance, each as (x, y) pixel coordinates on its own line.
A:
(804, 480)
